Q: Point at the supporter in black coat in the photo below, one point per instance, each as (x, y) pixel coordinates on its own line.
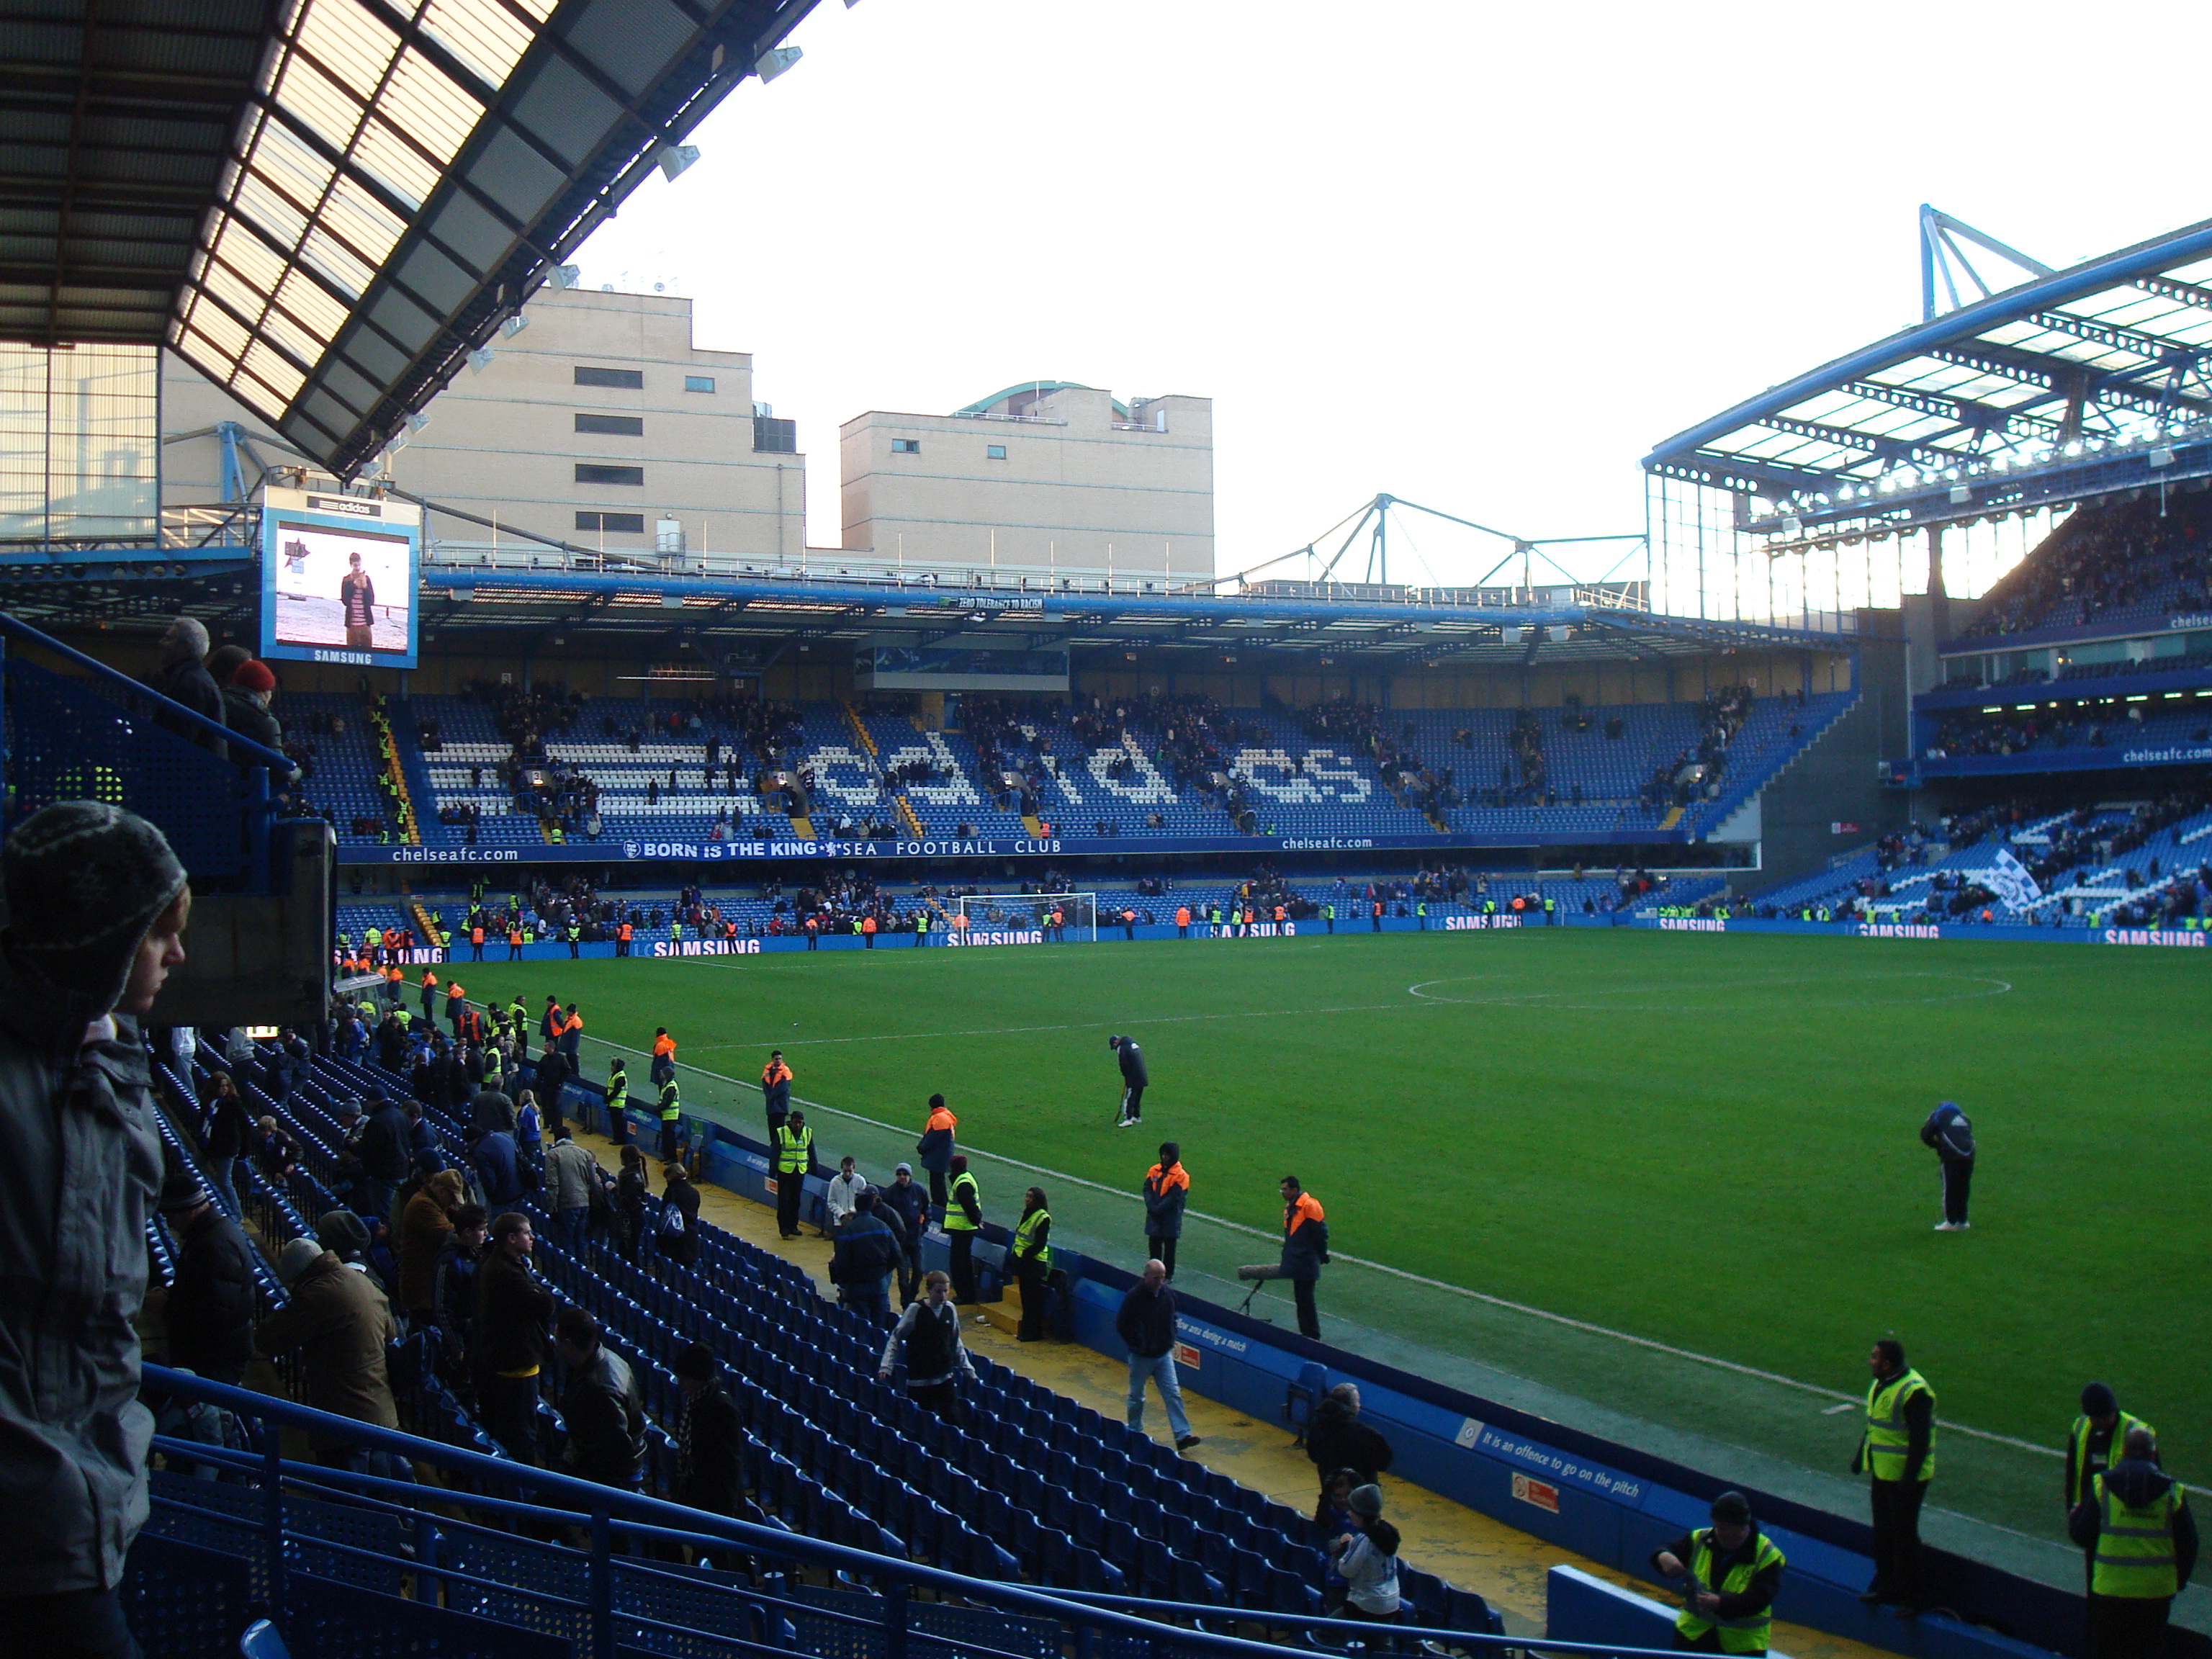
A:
(212, 1303)
(680, 1244)
(1337, 1439)
(710, 1439)
(601, 1406)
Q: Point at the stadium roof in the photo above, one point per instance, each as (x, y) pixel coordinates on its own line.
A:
(759, 618)
(2075, 382)
(326, 204)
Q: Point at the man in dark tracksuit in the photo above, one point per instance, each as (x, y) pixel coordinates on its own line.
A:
(1952, 1135)
(1133, 1079)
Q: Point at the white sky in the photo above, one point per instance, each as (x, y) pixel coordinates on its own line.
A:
(1477, 257)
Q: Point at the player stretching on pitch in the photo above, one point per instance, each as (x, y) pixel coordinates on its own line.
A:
(1133, 1079)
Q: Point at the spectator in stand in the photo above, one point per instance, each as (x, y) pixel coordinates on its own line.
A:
(572, 1175)
(906, 1199)
(630, 1191)
(453, 1289)
(424, 1226)
(679, 1240)
(1367, 1559)
(862, 1259)
(339, 1322)
(1167, 1190)
(600, 1405)
(228, 1130)
(246, 697)
(844, 1192)
(514, 1308)
(493, 1156)
(552, 1076)
(96, 908)
(1147, 1326)
(386, 1155)
(208, 1312)
(183, 677)
(710, 1437)
(490, 1109)
(1337, 1439)
(929, 1334)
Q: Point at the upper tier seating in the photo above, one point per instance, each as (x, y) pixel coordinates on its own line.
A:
(2110, 567)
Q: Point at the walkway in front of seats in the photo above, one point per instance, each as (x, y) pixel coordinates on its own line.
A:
(1470, 1549)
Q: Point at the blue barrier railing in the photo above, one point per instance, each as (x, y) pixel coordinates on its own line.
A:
(547, 1502)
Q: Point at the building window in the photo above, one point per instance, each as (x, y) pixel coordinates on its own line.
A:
(632, 379)
(618, 426)
(772, 436)
(618, 523)
(698, 383)
(590, 472)
(906, 446)
(995, 452)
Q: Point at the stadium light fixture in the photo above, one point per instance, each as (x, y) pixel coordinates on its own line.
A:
(776, 59)
(568, 275)
(675, 158)
(514, 326)
(480, 359)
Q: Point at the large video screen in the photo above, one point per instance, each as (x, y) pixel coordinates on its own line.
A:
(337, 593)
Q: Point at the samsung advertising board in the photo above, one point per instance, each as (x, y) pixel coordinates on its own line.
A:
(337, 578)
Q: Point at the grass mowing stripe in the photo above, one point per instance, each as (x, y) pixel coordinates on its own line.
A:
(1572, 1323)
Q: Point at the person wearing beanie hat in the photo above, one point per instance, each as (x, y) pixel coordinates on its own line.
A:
(96, 912)
(209, 1311)
(339, 1322)
(1367, 1558)
(2093, 1444)
(245, 697)
(1733, 1572)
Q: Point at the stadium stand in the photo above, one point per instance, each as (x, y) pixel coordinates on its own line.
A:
(1152, 767)
(2111, 567)
(1031, 1485)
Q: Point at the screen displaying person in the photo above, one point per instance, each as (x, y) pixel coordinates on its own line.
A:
(357, 594)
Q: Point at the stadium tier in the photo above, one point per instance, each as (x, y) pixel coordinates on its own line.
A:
(2106, 568)
(1158, 769)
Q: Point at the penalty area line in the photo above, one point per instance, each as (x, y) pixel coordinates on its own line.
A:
(1649, 1344)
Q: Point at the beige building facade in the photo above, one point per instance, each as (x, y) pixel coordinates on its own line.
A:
(1041, 480)
(598, 424)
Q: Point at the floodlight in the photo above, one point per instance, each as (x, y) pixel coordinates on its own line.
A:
(776, 59)
(567, 275)
(480, 359)
(674, 158)
(514, 326)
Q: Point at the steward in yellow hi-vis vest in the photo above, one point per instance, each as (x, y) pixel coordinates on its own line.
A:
(2142, 1543)
(1733, 1570)
(1898, 1451)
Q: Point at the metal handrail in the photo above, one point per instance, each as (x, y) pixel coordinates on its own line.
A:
(239, 749)
(608, 1508)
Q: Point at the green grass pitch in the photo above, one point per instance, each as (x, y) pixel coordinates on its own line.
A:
(1708, 1141)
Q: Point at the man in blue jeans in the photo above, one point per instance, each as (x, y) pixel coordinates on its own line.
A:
(1147, 1326)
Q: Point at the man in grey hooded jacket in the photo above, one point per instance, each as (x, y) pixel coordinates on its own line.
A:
(96, 911)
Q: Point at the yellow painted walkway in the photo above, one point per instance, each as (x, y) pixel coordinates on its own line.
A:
(1468, 1548)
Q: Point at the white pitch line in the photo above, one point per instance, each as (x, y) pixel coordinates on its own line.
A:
(1629, 1337)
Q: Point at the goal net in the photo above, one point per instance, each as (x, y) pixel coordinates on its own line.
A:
(1029, 913)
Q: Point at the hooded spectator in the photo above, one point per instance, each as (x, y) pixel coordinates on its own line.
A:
(96, 910)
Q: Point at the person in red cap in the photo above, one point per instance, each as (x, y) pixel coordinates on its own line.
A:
(246, 704)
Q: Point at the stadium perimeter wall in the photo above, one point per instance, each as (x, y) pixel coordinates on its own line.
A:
(1605, 1501)
(1260, 932)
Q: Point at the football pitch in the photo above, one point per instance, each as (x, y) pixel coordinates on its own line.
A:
(1641, 1153)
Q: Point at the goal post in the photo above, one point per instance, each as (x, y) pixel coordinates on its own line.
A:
(991, 913)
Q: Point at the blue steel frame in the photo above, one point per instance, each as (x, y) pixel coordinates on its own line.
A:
(565, 1501)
